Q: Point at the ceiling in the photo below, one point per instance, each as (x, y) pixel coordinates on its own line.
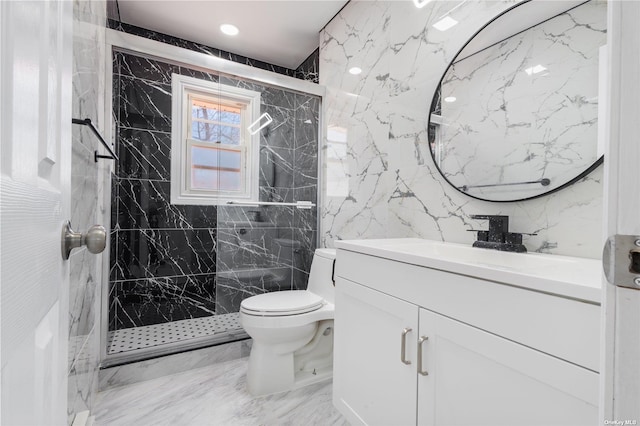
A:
(281, 32)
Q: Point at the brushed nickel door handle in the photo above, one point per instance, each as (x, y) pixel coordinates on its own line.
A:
(420, 344)
(95, 239)
(403, 346)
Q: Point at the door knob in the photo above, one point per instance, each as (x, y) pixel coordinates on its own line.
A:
(95, 239)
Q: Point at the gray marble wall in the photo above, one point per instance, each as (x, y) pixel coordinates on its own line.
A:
(88, 204)
(174, 262)
(381, 180)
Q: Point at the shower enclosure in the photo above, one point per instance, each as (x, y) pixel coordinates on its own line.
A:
(178, 273)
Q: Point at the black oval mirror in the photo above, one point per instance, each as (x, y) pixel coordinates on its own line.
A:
(515, 115)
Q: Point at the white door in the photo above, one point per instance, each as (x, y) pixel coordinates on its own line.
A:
(371, 383)
(35, 126)
(620, 378)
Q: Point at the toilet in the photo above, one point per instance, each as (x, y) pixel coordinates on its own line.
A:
(292, 332)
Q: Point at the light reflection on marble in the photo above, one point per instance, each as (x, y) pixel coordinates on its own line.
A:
(214, 395)
(394, 189)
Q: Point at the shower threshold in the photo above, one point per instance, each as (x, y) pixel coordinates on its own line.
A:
(132, 344)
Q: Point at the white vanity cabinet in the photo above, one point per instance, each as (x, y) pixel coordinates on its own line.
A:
(372, 385)
(458, 364)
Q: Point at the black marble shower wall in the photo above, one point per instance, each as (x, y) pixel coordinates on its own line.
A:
(174, 262)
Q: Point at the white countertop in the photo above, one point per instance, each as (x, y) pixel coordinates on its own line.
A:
(573, 277)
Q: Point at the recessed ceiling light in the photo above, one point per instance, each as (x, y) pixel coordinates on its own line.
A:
(355, 70)
(229, 29)
(445, 23)
(450, 99)
(420, 3)
(535, 70)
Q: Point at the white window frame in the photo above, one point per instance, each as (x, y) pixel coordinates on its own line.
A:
(183, 88)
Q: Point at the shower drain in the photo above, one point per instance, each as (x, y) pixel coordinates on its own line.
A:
(130, 339)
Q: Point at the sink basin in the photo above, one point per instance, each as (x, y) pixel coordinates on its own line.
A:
(562, 275)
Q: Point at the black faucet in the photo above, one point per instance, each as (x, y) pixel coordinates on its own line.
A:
(498, 236)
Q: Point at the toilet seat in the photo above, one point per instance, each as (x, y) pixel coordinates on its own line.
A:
(282, 303)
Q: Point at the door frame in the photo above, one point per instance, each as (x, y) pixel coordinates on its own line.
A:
(620, 354)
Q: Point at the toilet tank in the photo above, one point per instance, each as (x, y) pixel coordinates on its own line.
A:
(320, 281)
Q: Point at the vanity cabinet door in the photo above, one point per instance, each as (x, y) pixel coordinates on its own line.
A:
(478, 378)
(372, 385)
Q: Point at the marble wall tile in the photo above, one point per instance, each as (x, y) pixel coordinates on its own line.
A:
(306, 193)
(302, 259)
(82, 386)
(145, 68)
(308, 69)
(145, 204)
(283, 195)
(143, 154)
(306, 121)
(232, 287)
(280, 133)
(380, 116)
(84, 179)
(283, 167)
(144, 104)
(87, 207)
(244, 248)
(201, 75)
(234, 217)
(150, 253)
(305, 166)
(158, 300)
(306, 219)
(281, 216)
(278, 97)
(82, 293)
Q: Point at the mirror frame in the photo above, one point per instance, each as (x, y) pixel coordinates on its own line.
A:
(580, 176)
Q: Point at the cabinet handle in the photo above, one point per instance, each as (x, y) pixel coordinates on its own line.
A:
(403, 346)
(420, 342)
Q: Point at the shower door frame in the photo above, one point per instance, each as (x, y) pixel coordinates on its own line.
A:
(124, 42)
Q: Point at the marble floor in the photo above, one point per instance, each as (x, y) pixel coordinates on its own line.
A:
(213, 395)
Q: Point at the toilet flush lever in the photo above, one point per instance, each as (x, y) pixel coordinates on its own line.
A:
(95, 239)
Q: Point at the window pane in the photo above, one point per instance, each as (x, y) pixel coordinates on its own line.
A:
(215, 111)
(215, 169)
(204, 179)
(207, 132)
(230, 160)
(230, 181)
(230, 135)
(230, 117)
(206, 113)
(207, 157)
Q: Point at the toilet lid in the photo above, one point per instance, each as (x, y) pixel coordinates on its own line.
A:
(290, 302)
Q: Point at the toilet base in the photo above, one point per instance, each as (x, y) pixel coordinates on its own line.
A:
(279, 375)
(269, 372)
(273, 370)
